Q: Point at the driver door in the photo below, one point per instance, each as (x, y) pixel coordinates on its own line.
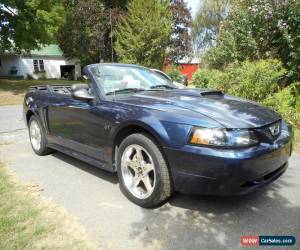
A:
(77, 125)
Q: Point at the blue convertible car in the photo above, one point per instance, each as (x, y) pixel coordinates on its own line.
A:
(158, 138)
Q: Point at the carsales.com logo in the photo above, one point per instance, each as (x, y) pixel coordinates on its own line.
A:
(254, 240)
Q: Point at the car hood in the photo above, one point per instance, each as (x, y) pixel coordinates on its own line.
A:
(228, 111)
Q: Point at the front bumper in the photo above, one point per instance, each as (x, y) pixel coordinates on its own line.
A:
(202, 170)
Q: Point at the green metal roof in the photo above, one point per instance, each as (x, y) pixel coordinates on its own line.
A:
(48, 50)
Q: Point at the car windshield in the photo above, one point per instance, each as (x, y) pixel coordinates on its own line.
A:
(122, 79)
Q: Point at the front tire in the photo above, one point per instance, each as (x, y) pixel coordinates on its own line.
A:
(143, 172)
(37, 137)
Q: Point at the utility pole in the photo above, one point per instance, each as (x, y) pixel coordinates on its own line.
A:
(111, 37)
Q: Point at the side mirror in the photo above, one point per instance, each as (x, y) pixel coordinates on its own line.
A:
(82, 94)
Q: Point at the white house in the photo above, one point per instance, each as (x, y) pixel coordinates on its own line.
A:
(48, 62)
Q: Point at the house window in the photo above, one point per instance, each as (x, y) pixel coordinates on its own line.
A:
(41, 63)
(35, 65)
(38, 65)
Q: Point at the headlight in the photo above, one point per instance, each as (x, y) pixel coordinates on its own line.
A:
(223, 137)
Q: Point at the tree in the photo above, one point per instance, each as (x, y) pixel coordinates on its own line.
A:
(234, 43)
(207, 22)
(142, 37)
(86, 33)
(82, 34)
(181, 44)
(26, 25)
(115, 9)
(260, 29)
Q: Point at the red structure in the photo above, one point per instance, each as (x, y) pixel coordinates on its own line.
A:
(187, 69)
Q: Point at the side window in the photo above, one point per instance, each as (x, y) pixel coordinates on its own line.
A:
(0, 63)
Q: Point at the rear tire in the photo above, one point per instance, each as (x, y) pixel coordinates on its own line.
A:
(37, 137)
(142, 171)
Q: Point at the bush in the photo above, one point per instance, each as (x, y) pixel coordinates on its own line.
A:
(255, 80)
(40, 74)
(287, 102)
(210, 78)
(173, 71)
(250, 80)
(29, 77)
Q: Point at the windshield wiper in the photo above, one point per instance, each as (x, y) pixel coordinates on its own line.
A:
(162, 86)
(121, 91)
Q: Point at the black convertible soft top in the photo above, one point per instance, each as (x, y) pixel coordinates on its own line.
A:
(53, 88)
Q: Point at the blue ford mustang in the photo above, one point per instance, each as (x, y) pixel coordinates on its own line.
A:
(158, 138)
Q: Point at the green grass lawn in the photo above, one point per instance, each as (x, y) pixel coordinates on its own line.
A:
(28, 221)
(13, 91)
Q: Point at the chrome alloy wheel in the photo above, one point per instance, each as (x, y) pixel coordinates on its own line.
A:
(138, 171)
(35, 135)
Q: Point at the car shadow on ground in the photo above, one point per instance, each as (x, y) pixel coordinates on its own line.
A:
(102, 174)
(207, 222)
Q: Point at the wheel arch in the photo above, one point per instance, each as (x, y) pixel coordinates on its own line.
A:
(29, 114)
(132, 128)
(32, 112)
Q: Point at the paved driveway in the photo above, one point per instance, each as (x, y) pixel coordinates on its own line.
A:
(185, 222)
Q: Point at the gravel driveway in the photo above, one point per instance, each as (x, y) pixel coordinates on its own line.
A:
(185, 222)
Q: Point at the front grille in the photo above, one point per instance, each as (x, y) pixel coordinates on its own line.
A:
(269, 133)
(270, 176)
